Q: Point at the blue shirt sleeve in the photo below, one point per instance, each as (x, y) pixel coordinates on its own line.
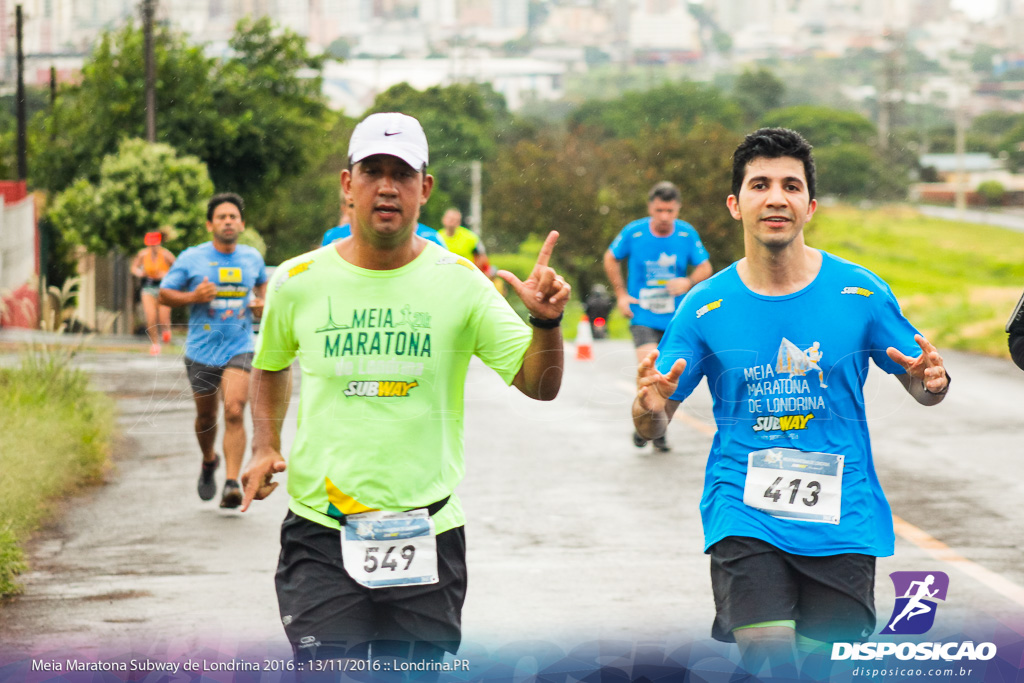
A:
(336, 233)
(620, 245)
(891, 328)
(177, 276)
(698, 253)
(429, 234)
(682, 341)
(261, 279)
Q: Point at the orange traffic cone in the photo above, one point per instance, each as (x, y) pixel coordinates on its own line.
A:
(584, 340)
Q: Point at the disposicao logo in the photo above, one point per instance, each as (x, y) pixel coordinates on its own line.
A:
(917, 594)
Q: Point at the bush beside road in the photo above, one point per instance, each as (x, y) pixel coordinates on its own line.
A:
(56, 436)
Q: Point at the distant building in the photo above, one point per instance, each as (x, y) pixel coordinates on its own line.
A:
(352, 85)
(663, 30)
(967, 172)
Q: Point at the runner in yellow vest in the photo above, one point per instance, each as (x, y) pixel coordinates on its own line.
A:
(466, 243)
(463, 241)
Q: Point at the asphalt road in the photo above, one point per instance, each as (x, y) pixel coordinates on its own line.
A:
(574, 534)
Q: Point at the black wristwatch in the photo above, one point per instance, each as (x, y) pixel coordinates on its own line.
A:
(549, 324)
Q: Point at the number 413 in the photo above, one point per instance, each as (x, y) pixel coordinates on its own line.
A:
(813, 488)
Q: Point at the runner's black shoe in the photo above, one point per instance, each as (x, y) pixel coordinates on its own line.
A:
(232, 496)
(661, 445)
(207, 486)
(638, 440)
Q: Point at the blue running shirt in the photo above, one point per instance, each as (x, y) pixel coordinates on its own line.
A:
(340, 232)
(222, 328)
(652, 261)
(787, 372)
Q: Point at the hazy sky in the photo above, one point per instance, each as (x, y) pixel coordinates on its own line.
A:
(977, 9)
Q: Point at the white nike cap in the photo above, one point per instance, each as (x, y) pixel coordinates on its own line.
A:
(391, 133)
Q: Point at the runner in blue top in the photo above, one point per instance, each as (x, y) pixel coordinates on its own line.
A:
(223, 283)
(658, 250)
(340, 232)
(793, 512)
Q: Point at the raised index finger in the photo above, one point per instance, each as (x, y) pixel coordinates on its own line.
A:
(549, 246)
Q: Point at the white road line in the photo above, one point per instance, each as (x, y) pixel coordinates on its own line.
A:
(942, 552)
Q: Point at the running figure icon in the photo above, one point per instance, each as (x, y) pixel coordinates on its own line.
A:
(814, 355)
(915, 605)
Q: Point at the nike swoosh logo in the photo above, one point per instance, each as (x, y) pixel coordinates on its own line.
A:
(387, 134)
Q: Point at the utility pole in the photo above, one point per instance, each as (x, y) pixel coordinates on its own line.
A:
(890, 95)
(53, 102)
(960, 191)
(20, 101)
(475, 221)
(148, 10)
(962, 93)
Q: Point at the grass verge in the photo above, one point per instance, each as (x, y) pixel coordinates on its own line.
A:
(956, 282)
(55, 436)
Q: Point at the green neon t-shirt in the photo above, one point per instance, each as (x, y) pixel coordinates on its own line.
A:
(384, 356)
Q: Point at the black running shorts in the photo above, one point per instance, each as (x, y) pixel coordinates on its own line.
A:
(205, 379)
(323, 609)
(831, 598)
(645, 335)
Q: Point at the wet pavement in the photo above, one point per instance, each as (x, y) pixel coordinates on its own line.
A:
(574, 534)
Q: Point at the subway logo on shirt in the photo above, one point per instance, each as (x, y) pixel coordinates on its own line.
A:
(380, 388)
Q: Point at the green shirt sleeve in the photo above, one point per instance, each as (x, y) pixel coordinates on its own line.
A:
(502, 337)
(276, 345)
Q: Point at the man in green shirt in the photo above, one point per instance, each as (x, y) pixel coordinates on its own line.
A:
(373, 551)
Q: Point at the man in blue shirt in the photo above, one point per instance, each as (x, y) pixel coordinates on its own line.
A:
(340, 232)
(793, 513)
(658, 250)
(223, 283)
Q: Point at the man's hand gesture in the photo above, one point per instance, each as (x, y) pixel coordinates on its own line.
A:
(926, 368)
(256, 306)
(653, 389)
(545, 292)
(258, 478)
(623, 301)
(205, 292)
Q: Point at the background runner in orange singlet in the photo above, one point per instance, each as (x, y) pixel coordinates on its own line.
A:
(151, 264)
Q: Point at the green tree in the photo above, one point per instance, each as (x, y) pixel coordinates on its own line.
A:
(823, 126)
(637, 112)
(308, 203)
(850, 165)
(992, 191)
(556, 182)
(983, 58)
(758, 92)
(588, 189)
(140, 189)
(855, 171)
(340, 49)
(253, 117)
(987, 132)
(699, 162)
(268, 97)
(92, 117)
(1013, 145)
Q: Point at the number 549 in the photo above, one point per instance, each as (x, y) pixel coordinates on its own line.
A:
(388, 561)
